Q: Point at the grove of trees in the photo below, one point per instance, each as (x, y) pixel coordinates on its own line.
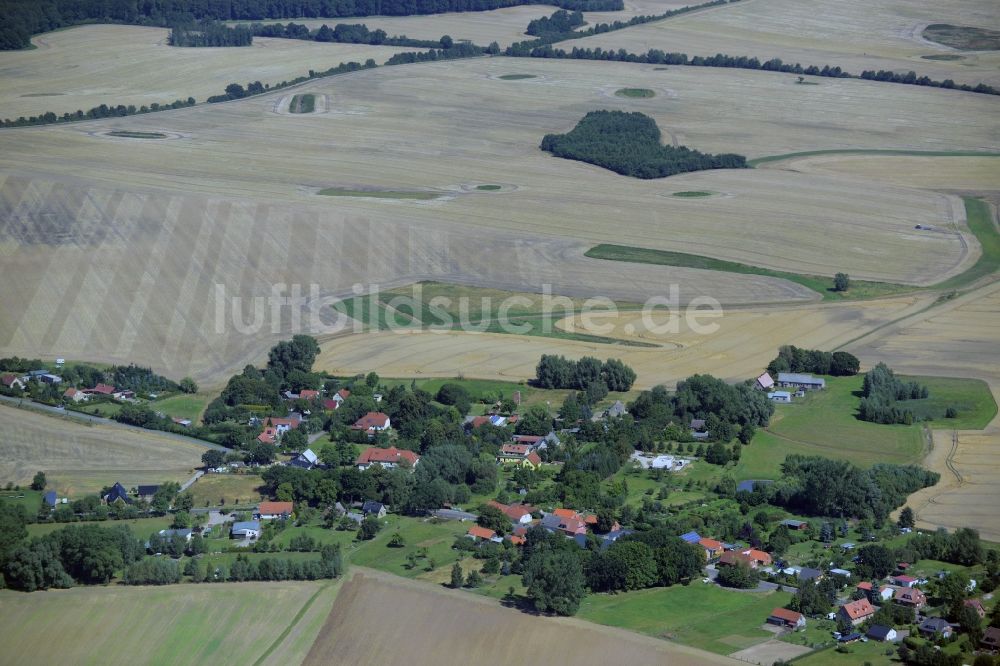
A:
(795, 359)
(882, 392)
(630, 144)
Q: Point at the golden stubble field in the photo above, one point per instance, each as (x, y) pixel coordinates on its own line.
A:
(115, 248)
(933, 173)
(92, 65)
(746, 340)
(470, 629)
(853, 34)
(79, 459)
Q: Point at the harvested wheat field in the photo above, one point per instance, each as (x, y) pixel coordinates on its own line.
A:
(933, 173)
(91, 65)
(744, 343)
(79, 458)
(853, 34)
(465, 628)
(175, 624)
(91, 222)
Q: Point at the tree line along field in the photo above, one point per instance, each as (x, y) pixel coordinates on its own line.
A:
(83, 67)
(855, 35)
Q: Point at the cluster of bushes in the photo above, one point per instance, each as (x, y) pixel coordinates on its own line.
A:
(629, 144)
(795, 359)
(454, 52)
(558, 372)
(882, 391)
(102, 111)
(210, 33)
(659, 57)
(560, 22)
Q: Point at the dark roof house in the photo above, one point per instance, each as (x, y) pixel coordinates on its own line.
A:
(118, 494)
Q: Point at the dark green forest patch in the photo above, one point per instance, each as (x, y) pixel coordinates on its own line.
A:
(629, 144)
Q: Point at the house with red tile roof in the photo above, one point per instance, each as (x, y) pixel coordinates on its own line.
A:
(372, 422)
(565, 521)
(477, 533)
(530, 440)
(903, 580)
(713, 548)
(12, 382)
(734, 557)
(518, 513)
(388, 458)
(101, 389)
(977, 606)
(274, 510)
(308, 394)
(760, 557)
(786, 618)
(76, 395)
(856, 612)
(517, 540)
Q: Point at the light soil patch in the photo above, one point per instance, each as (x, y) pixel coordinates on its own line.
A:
(854, 34)
(770, 652)
(79, 459)
(477, 628)
(123, 625)
(746, 340)
(932, 173)
(115, 64)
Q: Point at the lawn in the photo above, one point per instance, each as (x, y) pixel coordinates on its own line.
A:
(824, 423)
(182, 405)
(699, 615)
(980, 222)
(872, 652)
(416, 533)
(141, 527)
(226, 490)
(31, 500)
(971, 397)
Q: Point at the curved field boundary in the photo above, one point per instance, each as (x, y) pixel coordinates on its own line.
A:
(864, 151)
(978, 218)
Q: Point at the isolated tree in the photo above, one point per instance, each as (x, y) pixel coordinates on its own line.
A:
(474, 579)
(38, 483)
(457, 579)
(447, 42)
(213, 458)
(841, 282)
(906, 517)
(187, 385)
(369, 528)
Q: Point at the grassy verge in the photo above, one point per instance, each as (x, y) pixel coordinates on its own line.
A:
(972, 399)
(444, 306)
(303, 103)
(378, 194)
(487, 188)
(860, 289)
(691, 194)
(865, 151)
(980, 222)
(516, 77)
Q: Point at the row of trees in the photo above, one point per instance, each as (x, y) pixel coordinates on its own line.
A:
(660, 57)
(629, 144)
(354, 33)
(882, 391)
(557, 372)
(795, 359)
(19, 19)
(210, 33)
(101, 111)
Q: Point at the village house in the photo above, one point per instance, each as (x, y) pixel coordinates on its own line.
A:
(713, 548)
(991, 639)
(372, 422)
(274, 510)
(372, 508)
(764, 382)
(76, 395)
(146, 492)
(308, 394)
(800, 381)
(247, 529)
(616, 410)
(519, 514)
(732, 558)
(565, 521)
(12, 382)
(912, 597)
(806, 574)
(306, 460)
(691, 537)
(878, 632)
(101, 389)
(903, 580)
(786, 618)
(976, 605)
(856, 612)
(185, 533)
(388, 458)
(933, 627)
(793, 524)
(477, 533)
(50, 498)
(117, 495)
(780, 396)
